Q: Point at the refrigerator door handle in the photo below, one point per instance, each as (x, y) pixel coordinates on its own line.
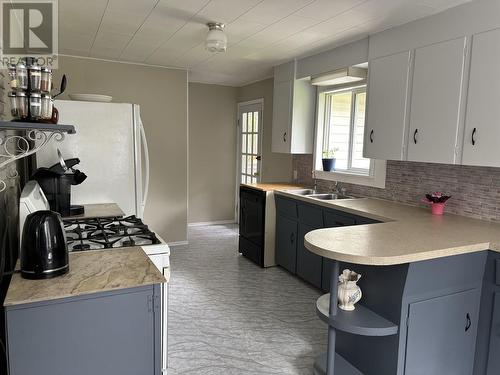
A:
(144, 143)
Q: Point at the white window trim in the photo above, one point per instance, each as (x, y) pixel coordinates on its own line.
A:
(377, 175)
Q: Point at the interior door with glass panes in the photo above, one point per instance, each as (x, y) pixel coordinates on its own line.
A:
(250, 130)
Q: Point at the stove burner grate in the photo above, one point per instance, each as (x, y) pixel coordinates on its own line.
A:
(106, 233)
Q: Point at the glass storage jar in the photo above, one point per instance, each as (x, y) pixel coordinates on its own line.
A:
(22, 76)
(13, 77)
(35, 77)
(13, 104)
(22, 104)
(46, 84)
(35, 105)
(47, 104)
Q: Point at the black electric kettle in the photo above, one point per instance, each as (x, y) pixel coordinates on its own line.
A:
(44, 251)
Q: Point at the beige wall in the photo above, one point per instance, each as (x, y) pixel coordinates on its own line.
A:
(212, 152)
(162, 94)
(275, 167)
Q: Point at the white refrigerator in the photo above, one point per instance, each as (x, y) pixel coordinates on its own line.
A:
(111, 144)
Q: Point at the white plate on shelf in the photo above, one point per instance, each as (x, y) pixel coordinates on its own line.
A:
(91, 98)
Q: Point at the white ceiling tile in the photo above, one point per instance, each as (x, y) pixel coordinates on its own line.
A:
(282, 29)
(338, 24)
(272, 55)
(110, 40)
(193, 57)
(121, 22)
(189, 7)
(301, 39)
(138, 49)
(141, 8)
(241, 29)
(160, 26)
(270, 11)
(226, 11)
(87, 24)
(81, 7)
(442, 4)
(323, 9)
(188, 37)
(76, 41)
(105, 53)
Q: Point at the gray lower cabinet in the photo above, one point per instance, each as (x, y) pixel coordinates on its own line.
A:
(112, 333)
(310, 217)
(441, 335)
(294, 219)
(494, 351)
(286, 243)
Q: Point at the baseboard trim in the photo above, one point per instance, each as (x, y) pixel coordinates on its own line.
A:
(205, 223)
(178, 243)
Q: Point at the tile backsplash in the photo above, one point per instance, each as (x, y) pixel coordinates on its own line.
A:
(475, 190)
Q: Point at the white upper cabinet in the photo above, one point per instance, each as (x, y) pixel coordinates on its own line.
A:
(293, 112)
(482, 126)
(436, 98)
(385, 129)
(282, 106)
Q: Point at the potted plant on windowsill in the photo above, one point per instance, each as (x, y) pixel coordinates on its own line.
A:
(329, 159)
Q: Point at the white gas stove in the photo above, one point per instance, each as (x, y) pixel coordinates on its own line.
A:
(88, 234)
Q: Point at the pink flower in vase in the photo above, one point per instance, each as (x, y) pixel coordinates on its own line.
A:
(437, 201)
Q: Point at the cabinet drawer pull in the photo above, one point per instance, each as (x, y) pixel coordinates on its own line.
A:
(474, 136)
(371, 136)
(284, 137)
(415, 136)
(292, 237)
(468, 322)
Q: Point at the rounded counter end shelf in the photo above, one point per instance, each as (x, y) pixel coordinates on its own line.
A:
(342, 367)
(361, 321)
(36, 137)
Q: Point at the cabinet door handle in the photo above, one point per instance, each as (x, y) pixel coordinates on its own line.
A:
(292, 237)
(468, 322)
(284, 137)
(474, 136)
(415, 136)
(371, 136)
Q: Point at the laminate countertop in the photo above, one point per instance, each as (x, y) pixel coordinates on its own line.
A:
(100, 210)
(272, 186)
(89, 272)
(406, 233)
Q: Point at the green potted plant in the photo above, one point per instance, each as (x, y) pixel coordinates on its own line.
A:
(329, 159)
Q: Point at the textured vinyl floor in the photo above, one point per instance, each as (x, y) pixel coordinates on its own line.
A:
(229, 316)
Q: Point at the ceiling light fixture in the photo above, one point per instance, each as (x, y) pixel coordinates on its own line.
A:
(216, 39)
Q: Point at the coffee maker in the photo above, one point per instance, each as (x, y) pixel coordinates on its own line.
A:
(56, 183)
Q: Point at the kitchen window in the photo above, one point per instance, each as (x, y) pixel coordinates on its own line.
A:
(340, 132)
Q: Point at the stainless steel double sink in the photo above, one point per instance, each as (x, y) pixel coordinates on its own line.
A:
(311, 193)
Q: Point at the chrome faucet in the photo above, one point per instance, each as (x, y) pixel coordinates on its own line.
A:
(338, 189)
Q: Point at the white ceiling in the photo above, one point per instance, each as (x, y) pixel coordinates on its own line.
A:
(261, 33)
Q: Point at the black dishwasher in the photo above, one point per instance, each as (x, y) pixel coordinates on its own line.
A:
(252, 224)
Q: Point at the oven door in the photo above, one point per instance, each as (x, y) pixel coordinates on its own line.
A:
(252, 209)
(161, 261)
